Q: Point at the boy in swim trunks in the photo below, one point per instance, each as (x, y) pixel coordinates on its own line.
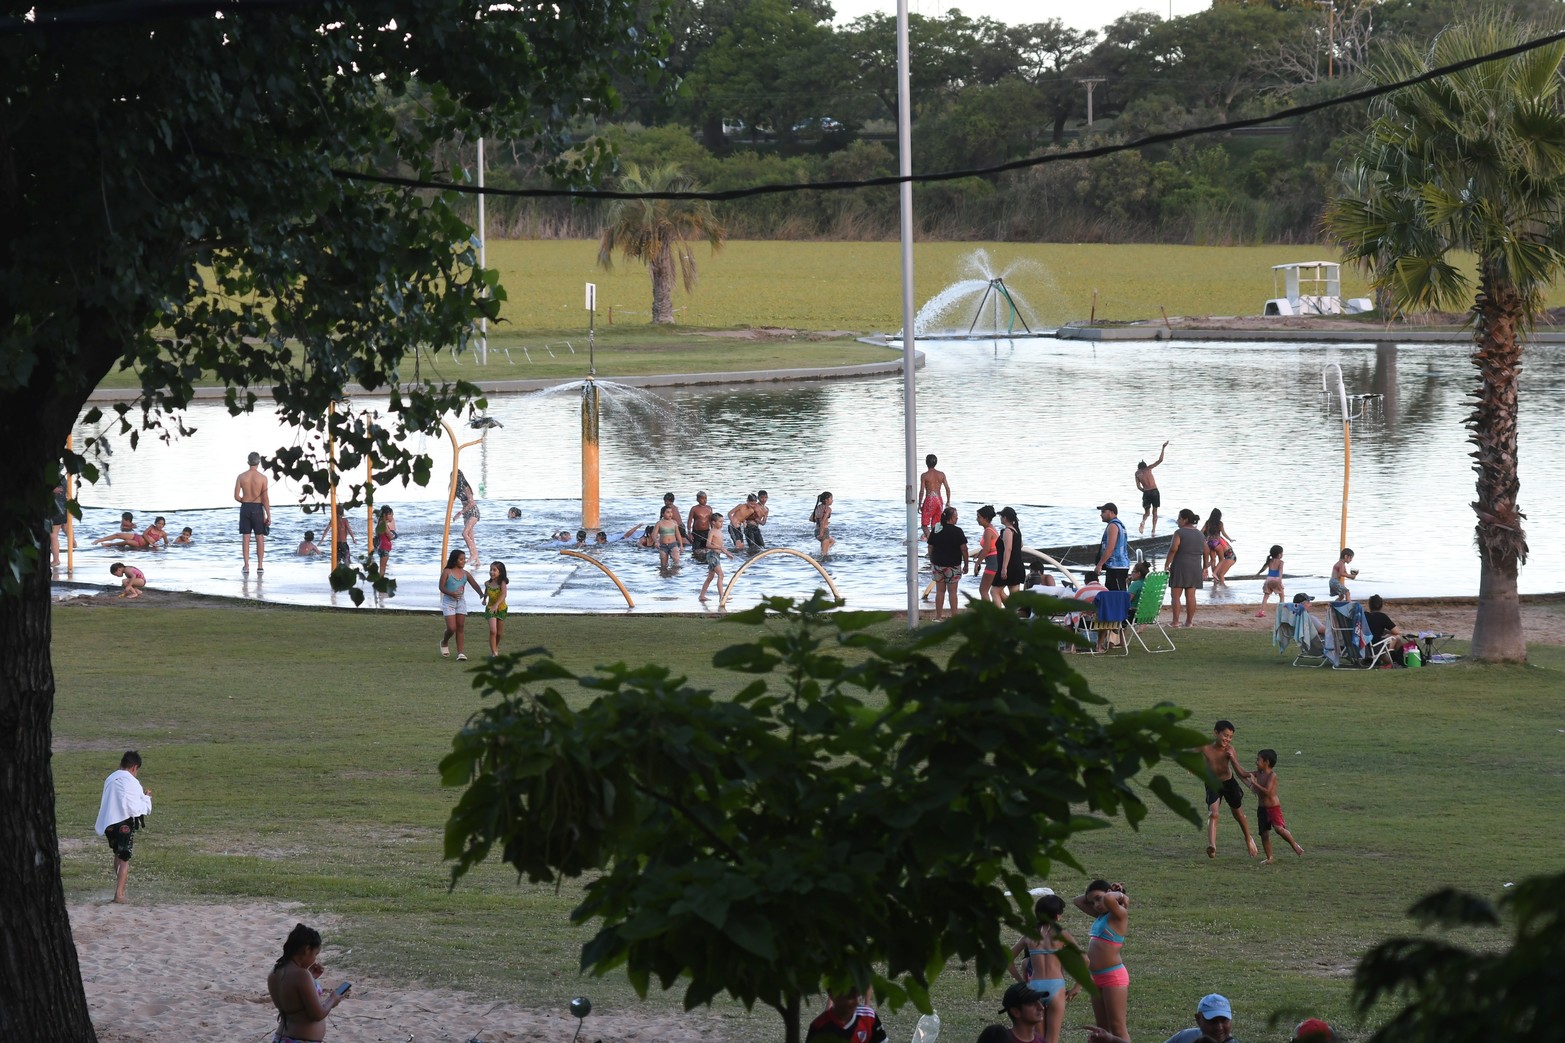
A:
(931, 485)
(715, 552)
(1340, 574)
(1221, 763)
(1264, 782)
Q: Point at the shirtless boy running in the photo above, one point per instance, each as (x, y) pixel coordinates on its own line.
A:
(255, 511)
(931, 486)
(1222, 763)
(1263, 780)
(1151, 499)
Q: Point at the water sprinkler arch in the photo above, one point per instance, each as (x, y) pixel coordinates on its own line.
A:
(722, 602)
(629, 601)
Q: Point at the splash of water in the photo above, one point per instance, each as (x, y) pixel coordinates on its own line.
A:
(955, 308)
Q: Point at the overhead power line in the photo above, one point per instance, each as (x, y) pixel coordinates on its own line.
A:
(956, 175)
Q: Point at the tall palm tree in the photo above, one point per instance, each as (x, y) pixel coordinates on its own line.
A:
(659, 232)
(1470, 163)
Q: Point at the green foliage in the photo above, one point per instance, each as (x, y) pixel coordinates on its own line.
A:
(1470, 993)
(853, 813)
(199, 222)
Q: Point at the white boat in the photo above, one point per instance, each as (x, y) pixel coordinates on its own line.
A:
(1312, 288)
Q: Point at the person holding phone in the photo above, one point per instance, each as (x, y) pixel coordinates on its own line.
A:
(301, 1008)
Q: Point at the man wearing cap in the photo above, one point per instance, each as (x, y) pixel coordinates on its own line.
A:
(1024, 1006)
(1313, 1030)
(1114, 549)
(1213, 1019)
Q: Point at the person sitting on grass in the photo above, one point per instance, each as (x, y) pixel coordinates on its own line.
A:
(847, 1018)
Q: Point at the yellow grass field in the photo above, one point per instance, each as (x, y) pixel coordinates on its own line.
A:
(857, 286)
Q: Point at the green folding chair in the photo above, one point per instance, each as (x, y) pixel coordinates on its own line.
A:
(1149, 608)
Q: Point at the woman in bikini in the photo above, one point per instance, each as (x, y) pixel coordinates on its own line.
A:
(454, 581)
(468, 505)
(301, 1010)
(1041, 969)
(1219, 555)
(989, 558)
(1109, 903)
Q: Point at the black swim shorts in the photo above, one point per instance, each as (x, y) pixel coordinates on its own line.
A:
(121, 837)
(252, 520)
(1151, 498)
(1229, 790)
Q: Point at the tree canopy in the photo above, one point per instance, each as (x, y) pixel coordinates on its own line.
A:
(854, 813)
(179, 197)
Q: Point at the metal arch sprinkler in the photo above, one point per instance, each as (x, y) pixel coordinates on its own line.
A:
(722, 602)
(629, 602)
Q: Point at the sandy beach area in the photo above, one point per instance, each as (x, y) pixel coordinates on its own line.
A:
(157, 972)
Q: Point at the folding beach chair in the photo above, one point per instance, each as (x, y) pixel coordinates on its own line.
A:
(1149, 605)
(1106, 627)
(1295, 624)
(1349, 645)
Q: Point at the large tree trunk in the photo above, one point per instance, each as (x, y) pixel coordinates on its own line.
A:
(41, 997)
(1502, 545)
(662, 267)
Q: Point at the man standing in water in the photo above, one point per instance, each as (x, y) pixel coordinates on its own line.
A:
(255, 511)
(753, 539)
(699, 520)
(931, 484)
(1151, 499)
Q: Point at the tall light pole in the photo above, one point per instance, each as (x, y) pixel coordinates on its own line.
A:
(909, 381)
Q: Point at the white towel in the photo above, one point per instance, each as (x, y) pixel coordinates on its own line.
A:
(123, 798)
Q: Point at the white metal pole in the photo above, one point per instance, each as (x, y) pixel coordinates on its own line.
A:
(909, 373)
(483, 241)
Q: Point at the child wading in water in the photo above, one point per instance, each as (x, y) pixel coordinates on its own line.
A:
(715, 552)
(821, 516)
(1264, 782)
(1041, 970)
(494, 603)
(1273, 573)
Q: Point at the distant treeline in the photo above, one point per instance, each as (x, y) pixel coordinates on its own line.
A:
(770, 91)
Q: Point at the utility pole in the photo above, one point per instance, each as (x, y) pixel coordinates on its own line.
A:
(1090, 82)
(1331, 36)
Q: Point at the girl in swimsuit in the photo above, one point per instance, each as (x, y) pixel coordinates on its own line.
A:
(988, 557)
(668, 538)
(454, 581)
(1041, 969)
(1216, 538)
(1109, 903)
(385, 532)
(821, 516)
(468, 506)
(1273, 583)
(301, 1011)
(494, 603)
(131, 579)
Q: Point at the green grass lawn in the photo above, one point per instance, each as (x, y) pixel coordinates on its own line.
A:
(294, 753)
